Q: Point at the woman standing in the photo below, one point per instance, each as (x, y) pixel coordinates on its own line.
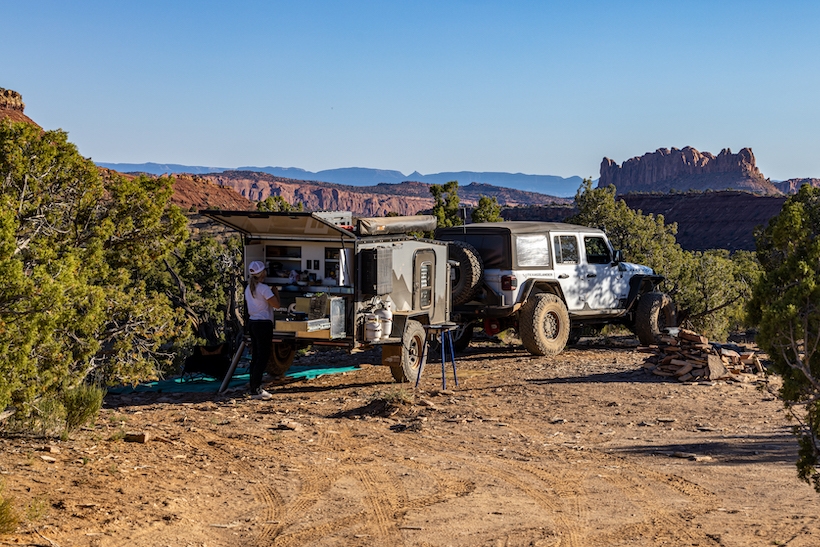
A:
(261, 300)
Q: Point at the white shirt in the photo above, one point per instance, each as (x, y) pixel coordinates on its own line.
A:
(258, 307)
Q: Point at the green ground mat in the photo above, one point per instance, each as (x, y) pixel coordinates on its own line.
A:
(193, 383)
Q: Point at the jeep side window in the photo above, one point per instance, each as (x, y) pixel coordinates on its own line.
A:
(597, 250)
(566, 249)
(532, 250)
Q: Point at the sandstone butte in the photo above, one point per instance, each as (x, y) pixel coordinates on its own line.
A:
(685, 169)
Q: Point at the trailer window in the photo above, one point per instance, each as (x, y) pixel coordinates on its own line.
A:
(532, 250)
(566, 249)
(426, 284)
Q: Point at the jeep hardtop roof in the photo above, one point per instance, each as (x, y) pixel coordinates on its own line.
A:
(516, 227)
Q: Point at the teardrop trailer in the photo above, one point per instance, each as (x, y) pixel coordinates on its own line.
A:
(349, 286)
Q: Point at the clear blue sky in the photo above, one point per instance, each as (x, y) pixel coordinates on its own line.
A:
(541, 87)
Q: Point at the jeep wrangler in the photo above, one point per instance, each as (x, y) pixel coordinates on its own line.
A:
(552, 282)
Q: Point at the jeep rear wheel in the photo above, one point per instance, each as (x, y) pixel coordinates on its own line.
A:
(654, 313)
(468, 273)
(544, 324)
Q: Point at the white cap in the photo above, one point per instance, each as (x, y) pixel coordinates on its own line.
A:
(256, 267)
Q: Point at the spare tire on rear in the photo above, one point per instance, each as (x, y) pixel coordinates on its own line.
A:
(468, 274)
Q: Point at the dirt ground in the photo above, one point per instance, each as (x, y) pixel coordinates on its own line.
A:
(583, 449)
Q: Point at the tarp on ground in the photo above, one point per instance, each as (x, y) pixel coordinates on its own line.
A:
(195, 383)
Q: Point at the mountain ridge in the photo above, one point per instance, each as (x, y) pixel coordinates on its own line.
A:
(364, 176)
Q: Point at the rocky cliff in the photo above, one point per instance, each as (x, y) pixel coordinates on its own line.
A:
(706, 220)
(406, 198)
(12, 107)
(791, 186)
(686, 169)
(193, 192)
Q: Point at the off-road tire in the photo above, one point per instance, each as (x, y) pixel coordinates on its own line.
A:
(462, 337)
(468, 274)
(654, 313)
(412, 349)
(281, 358)
(543, 323)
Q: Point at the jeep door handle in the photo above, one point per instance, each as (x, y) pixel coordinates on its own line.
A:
(592, 275)
(563, 276)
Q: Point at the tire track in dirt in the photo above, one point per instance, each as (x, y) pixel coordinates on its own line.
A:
(269, 497)
(631, 479)
(381, 500)
(385, 498)
(569, 527)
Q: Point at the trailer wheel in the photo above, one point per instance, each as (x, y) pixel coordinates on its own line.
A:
(468, 273)
(544, 324)
(412, 348)
(462, 336)
(281, 358)
(655, 312)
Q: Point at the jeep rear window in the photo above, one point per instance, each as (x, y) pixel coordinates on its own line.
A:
(493, 249)
(532, 250)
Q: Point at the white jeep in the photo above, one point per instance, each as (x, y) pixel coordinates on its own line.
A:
(551, 282)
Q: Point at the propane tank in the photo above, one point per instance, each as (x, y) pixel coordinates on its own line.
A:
(385, 315)
(372, 327)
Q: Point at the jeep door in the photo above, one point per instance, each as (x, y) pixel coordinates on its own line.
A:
(569, 271)
(603, 281)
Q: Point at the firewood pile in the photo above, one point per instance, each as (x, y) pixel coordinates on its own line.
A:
(689, 357)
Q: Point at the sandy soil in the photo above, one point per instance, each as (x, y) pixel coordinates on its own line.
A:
(584, 449)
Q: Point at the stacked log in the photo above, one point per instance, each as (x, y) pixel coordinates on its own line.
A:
(689, 357)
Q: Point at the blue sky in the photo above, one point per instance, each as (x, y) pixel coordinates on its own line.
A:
(547, 87)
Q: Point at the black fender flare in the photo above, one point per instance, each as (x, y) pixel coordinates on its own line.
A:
(531, 286)
(640, 284)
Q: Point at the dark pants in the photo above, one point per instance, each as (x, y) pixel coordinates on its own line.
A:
(261, 342)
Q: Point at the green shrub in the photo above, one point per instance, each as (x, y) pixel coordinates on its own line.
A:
(82, 404)
(9, 519)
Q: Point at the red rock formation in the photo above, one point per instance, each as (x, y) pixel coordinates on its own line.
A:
(686, 169)
(791, 186)
(12, 106)
(407, 198)
(192, 192)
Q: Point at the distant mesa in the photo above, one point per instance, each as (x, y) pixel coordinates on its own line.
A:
(686, 169)
(791, 186)
(12, 107)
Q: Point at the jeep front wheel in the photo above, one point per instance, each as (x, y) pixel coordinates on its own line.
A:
(654, 313)
(544, 324)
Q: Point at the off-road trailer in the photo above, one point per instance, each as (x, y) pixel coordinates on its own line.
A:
(354, 286)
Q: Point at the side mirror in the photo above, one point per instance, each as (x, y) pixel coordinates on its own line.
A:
(619, 256)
